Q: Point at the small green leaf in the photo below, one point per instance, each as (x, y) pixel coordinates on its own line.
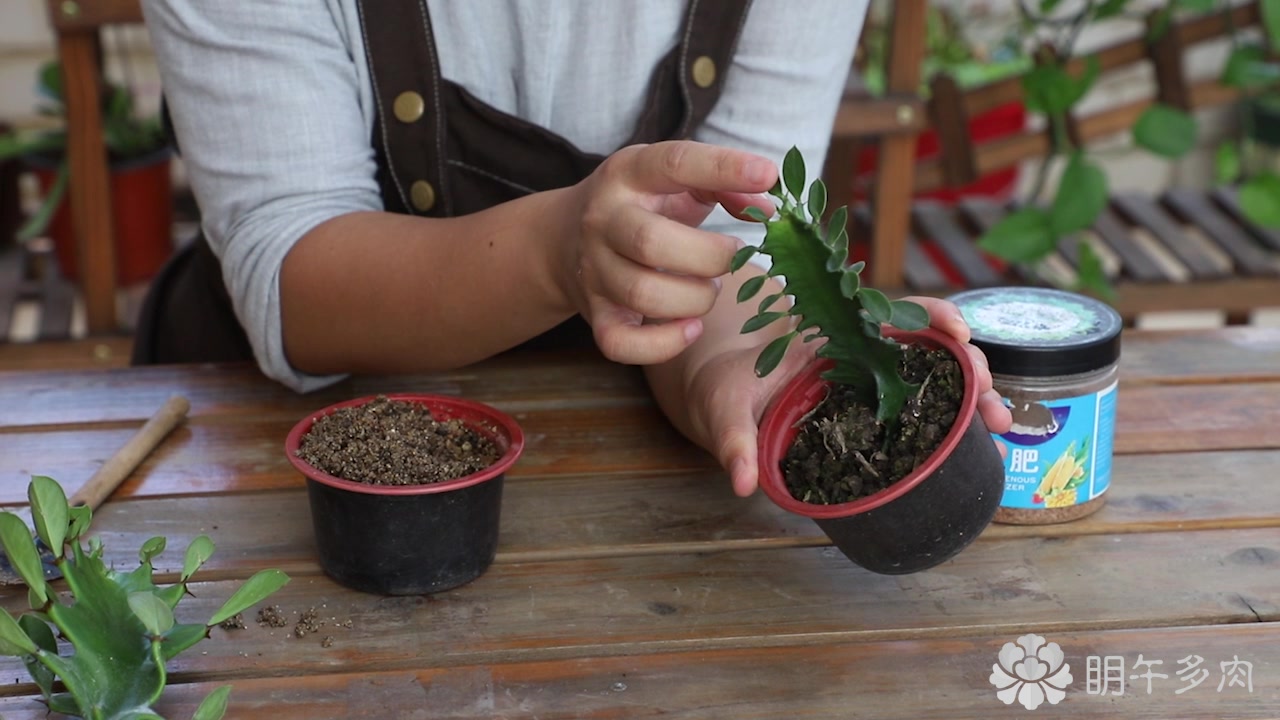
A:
(49, 510)
(817, 199)
(1051, 90)
(182, 637)
(756, 322)
(151, 548)
(841, 240)
(750, 287)
(1165, 131)
(1271, 20)
(1260, 199)
(38, 223)
(1248, 68)
(155, 615)
(741, 257)
(1048, 6)
(1091, 277)
(908, 316)
(769, 300)
(773, 354)
(200, 550)
(1200, 6)
(858, 266)
(39, 632)
(776, 190)
(13, 641)
(1109, 8)
(1021, 236)
(254, 590)
(1226, 163)
(838, 223)
(755, 213)
(214, 705)
(876, 304)
(81, 516)
(850, 283)
(22, 553)
(1081, 196)
(838, 260)
(793, 172)
(50, 83)
(33, 600)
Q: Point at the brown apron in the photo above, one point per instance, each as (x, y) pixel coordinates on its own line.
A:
(442, 152)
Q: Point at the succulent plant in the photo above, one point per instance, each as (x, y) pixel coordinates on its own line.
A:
(827, 295)
(120, 625)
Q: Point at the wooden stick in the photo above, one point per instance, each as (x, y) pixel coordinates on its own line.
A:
(120, 465)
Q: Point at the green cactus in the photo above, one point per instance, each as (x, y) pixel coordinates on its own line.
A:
(828, 296)
(120, 626)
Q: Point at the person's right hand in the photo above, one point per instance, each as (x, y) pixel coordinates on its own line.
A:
(634, 263)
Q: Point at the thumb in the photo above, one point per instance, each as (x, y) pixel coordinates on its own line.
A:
(737, 453)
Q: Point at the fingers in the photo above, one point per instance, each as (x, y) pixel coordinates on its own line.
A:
(736, 449)
(994, 412)
(944, 316)
(660, 242)
(650, 293)
(682, 166)
(623, 337)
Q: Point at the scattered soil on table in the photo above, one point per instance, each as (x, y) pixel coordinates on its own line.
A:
(271, 616)
(395, 442)
(309, 622)
(235, 622)
(840, 453)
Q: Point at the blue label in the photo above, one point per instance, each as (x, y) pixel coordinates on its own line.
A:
(1059, 451)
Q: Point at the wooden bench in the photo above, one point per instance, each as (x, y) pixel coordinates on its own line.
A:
(1174, 249)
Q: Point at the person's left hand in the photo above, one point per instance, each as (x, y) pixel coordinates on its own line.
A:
(727, 399)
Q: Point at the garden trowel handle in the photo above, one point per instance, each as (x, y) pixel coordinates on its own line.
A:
(120, 465)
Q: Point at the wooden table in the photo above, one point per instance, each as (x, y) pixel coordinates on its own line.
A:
(630, 582)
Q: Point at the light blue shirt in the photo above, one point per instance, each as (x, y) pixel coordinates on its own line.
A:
(274, 106)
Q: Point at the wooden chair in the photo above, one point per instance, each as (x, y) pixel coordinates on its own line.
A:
(1175, 249)
(77, 25)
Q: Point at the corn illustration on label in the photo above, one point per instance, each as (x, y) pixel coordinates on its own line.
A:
(1058, 451)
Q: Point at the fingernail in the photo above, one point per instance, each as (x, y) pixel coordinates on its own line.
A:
(718, 283)
(759, 171)
(692, 330)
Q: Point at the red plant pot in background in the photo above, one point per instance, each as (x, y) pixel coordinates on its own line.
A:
(999, 122)
(142, 214)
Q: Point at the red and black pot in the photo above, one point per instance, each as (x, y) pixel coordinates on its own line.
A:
(924, 519)
(410, 539)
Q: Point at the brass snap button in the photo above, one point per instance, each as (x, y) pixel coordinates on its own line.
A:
(409, 106)
(422, 195)
(704, 71)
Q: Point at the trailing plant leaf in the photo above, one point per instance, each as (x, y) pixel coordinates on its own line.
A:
(1165, 131)
(1021, 236)
(1081, 196)
(1260, 199)
(829, 302)
(1226, 163)
(120, 625)
(1091, 277)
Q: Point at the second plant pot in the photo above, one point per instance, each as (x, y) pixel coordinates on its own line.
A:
(411, 539)
(919, 522)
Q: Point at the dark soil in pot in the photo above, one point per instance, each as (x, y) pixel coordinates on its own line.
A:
(841, 452)
(395, 442)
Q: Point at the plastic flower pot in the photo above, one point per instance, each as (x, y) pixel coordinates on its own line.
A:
(410, 539)
(924, 519)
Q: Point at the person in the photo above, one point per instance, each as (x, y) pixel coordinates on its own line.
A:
(395, 186)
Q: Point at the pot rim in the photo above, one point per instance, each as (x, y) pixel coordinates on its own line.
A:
(803, 390)
(507, 430)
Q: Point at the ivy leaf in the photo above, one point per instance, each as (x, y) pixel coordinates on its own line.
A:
(793, 172)
(155, 615)
(908, 316)
(1051, 90)
(49, 511)
(756, 322)
(773, 354)
(254, 590)
(817, 199)
(1021, 236)
(1226, 163)
(876, 304)
(1260, 199)
(1165, 131)
(1081, 196)
(749, 288)
(200, 550)
(755, 213)
(741, 257)
(214, 705)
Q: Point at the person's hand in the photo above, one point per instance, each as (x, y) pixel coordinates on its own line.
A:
(728, 400)
(634, 263)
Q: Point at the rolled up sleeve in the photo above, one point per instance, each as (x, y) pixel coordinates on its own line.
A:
(273, 126)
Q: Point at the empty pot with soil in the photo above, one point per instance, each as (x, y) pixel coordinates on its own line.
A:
(405, 490)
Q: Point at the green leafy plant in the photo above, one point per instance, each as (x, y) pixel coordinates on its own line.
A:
(125, 133)
(121, 626)
(828, 297)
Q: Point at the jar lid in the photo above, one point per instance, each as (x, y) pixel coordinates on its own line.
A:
(1041, 332)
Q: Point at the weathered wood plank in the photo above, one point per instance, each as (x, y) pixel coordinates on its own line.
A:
(935, 222)
(561, 518)
(1144, 212)
(1230, 354)
(645, 604)
(1184, 418)
(880, 679)
(1193, 206)
(919, 270)
(1229, 200)
(1135, 261)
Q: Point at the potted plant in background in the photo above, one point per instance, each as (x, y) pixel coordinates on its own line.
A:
(120, 625)
(141, 188)
(879, 440)
(405, 489)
